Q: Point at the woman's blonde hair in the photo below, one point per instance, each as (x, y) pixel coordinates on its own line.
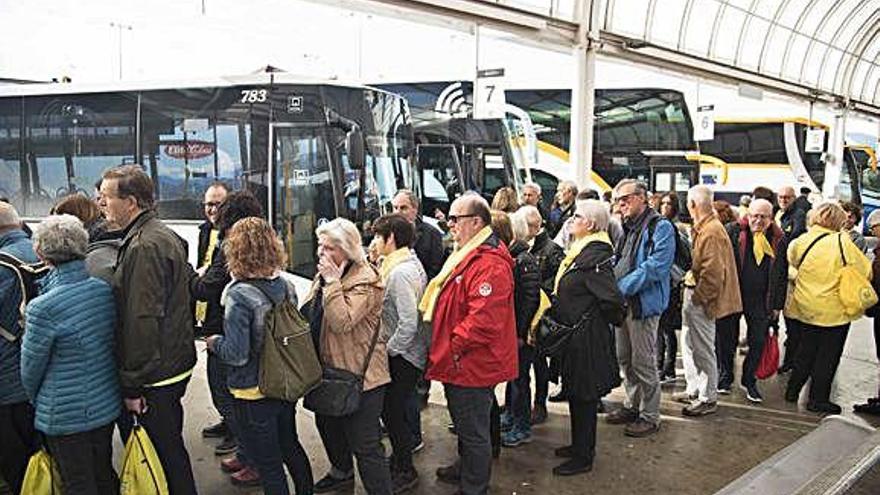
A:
(253, 250)
(344, 235)
(827, 214)
(505, 200)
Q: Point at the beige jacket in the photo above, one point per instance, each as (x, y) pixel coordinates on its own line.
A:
(352, 314)
(714, 270)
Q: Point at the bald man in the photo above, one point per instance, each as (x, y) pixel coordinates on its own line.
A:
(791, 217)
(759, 247)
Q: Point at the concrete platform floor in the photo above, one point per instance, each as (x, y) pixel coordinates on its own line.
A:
(688, 456)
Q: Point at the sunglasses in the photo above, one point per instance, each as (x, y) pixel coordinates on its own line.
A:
(456, 218)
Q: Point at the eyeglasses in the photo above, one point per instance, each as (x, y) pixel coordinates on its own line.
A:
(456, 218)
(626, 197)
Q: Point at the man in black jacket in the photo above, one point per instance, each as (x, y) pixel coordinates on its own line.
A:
(792, 219)
(428, 244)
(155, 348)
(759, 248)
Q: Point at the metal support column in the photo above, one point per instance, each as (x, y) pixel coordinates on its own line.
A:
(834, 165)
(583, 97)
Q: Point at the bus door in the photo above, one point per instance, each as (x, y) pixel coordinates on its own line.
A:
(301, 191)
(439, 177)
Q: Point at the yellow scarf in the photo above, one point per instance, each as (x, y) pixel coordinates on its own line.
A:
(202, 306)
(574, 250)
(435, 286)
(760, 246)
(392, 260)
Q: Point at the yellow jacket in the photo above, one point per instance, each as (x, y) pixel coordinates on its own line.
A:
(813, 297)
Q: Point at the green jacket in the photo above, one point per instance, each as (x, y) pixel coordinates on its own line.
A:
(151, 285)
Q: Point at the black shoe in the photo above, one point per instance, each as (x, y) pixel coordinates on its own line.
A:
(218, 430)
(785, 368)
(539, 414)
(792, 395)
(753, 394)
(572, 467)
(228, 446)
(566, 452)
(404, 481)
(451, 428)
(330, 484)
(449, 474)
(870, 407)
(560, 397)
(823, 407)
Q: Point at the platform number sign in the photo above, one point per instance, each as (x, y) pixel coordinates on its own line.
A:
(704, 125)
(489, 101)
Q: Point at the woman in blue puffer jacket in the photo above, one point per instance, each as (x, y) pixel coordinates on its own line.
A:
(67, 364)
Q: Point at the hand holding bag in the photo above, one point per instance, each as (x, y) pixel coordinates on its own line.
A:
(339, 393)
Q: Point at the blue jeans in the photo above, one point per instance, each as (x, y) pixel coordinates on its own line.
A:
(223, 400)
(268, 430)
(471, 411)
(519, 392)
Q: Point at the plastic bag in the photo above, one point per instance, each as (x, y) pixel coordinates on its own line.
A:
(769, 362)
(142, 473)
(41, 477)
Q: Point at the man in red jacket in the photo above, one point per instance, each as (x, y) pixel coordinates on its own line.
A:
(470, 305)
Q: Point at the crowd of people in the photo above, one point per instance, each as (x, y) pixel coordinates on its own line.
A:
(619, 276)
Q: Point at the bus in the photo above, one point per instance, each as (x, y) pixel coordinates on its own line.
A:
(309, 150)
(770, 152)
(861, 181)
(640, 133)
(453, 151)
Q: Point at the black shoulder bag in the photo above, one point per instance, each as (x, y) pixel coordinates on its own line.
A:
(339, 392)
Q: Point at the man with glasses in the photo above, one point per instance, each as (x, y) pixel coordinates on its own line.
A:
(209, 315)
(473, 345)
(759, 250)
(155, 349)
(644, 259)
(792, 219)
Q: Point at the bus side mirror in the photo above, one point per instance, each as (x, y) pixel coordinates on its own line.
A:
(354, 148)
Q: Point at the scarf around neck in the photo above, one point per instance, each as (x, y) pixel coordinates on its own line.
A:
(574, 250)
(435, 286)
(391, 261)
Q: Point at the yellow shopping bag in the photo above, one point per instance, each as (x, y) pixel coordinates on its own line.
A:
(41, 477)
(142, 472)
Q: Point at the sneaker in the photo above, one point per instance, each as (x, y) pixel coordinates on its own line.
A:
(228, 446)
(515, 438)
(418, 447)
(404, 481)
(752, 393)
(231, 465)
(572, 467)
(724, 389)
(700, 408)
(219, 430)
(506, 421)
(539, 414)
(448, 474)
(823, 407)
(245, 477)
(622, 416)
(641, 429)
(684, 397)
(330, 484)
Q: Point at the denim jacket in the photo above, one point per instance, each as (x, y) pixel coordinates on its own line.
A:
(245, 309)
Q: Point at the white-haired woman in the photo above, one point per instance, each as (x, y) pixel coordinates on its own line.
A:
(345, 309)
(587, 296)
(71, 323)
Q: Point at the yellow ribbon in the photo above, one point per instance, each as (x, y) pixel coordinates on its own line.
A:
(392, 260)
(760, 246)
(574, 250)
(435, 286)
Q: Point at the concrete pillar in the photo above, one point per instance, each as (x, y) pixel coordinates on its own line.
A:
(834, 165)
(583, 95)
